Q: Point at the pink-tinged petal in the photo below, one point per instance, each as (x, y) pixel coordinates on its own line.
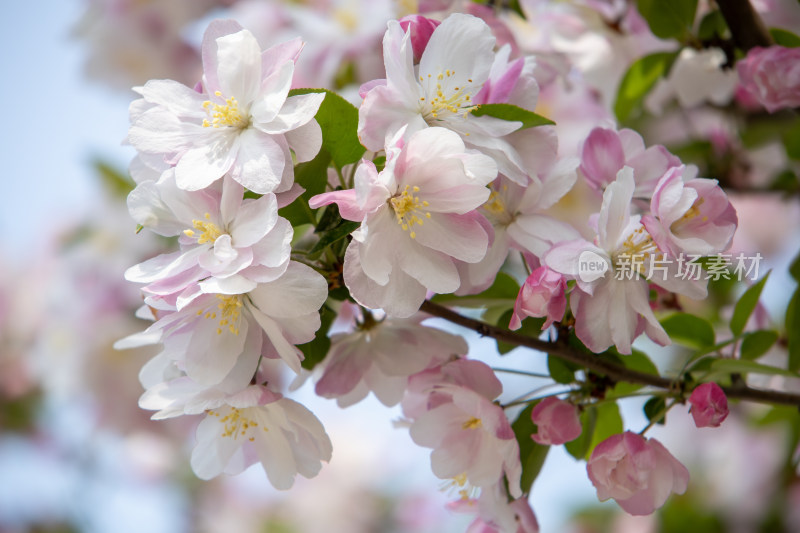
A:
(459, 236)
(260, 163)
(709, 405)
(305, 141)
(200, 167)
(301, 285)
(498, 90)
(377, 256)
(232, 195)
(368, 86)
(432, 269)
(564, 257)
(211, 453)
(538, 233)
(274, 92)
(157, 131)
(297, 111)
(343, 372)
(371, 193)
(632, 143)
(254, 220)
(420, 30)
(216, 29)
(239, 66)
(383, 113)
(275, 248)
(345, 200)
(590, 327)
(175, 97)
(287, 197)
(398, 62)
(231, 285)
(164, 266)
(401, 295)
(213, 351)
(558, 182)
(649, 166)
(602, 157)
(275, 56)
(287, 352)
(638, 294)
(462, 44)
(614, 216)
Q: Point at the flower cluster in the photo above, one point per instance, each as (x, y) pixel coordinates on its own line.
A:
(446, 180)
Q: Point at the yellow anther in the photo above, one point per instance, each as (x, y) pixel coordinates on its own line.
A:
(224, 115)
(209, 230)
(472, 423)
(408, 209)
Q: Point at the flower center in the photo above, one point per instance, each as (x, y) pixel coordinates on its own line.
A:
(693, 212)
(443, 100)
(236, 423)
(472, 423)
(229, 308)
(637, 248)
(459, 485)
(496, 210)
(408, 209)
(209, 230)
(224, 115)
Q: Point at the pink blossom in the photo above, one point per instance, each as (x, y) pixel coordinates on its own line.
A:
(638, 473)
(606, 151)
(417, 218)
(556, 420)
(496, 512)
(692, 216)
(542, 295)
(420, 29)
(772, 76)
(709, 405)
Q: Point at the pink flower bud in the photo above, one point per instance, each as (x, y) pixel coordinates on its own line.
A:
(556, 420)
(709, 405)
(542, 295)
(638, 473)
(421, 29)
(772, 76)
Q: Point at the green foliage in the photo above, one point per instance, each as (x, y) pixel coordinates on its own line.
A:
(513, 113)
(560, 370)
(712, 25)
(333, 235)
(669, 19)
(741, 366)
(338, 120)
(793, 330)
(502, 292)
(116, 182)
(757, 343)
(689, 330)
(791, 141)
(745, 306)
(316, 350)
(655, 409)
(784, 38)
(531, 453)
(598, 422)
(312, 176)
(637, 82)
(638, 361)
(531, 327)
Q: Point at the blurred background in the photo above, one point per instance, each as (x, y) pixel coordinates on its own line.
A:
(76, 452)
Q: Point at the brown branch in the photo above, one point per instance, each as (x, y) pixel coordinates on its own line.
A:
(747, 28)
(616, 372)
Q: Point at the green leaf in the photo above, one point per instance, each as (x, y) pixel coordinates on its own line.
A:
(669, 19)
(531, 327)
(503, 291)
(745, 306)
(712, 25)
(513, 113)
(794, 269)
(791, 141)
(579, 447)
(740, 366)
(756, 344)
(689, 330)
(635, 361)
(637, 82)
(559, 370)
(655, 409)
(793, 331)
(312, 176)
(784, 38)
(531, 453)
(115, 181)
(316, 350)
(598, 422)
(338, 120)
(331, 236)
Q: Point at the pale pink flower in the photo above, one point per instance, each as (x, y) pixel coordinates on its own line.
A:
(556, 420)
(772, 76)
(417, 218)
(209, 334)
(472, 440)
(690, 215)
(458, 61)
(420, 30)
(605, 152)
(380, 356)
(638, 473)
(225, 241)
(243, 123)
(257, 425)
(709, 405)
(495, 513)
(611, 306)
(542, 295)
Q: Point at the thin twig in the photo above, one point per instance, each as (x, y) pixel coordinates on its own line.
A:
(616, 372)
(747, 28)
